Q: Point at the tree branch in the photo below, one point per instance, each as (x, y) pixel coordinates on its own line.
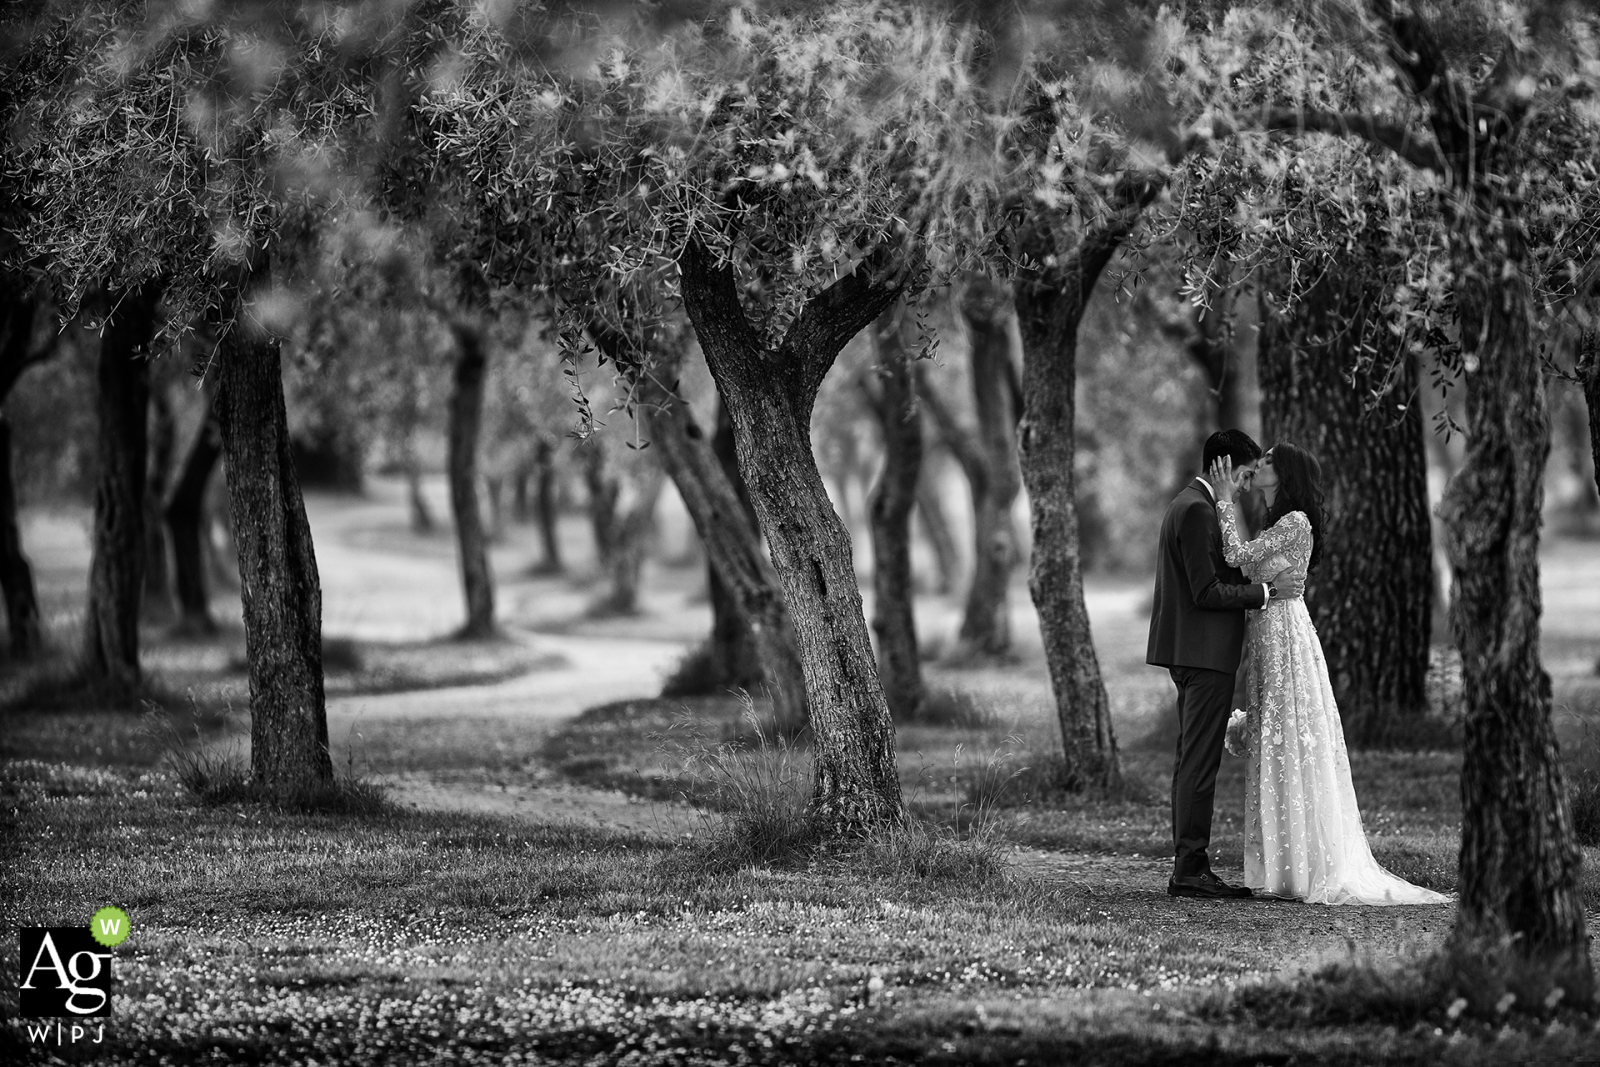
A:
(19, 347)
(829, 319)
(1397, 139)
(711, 297)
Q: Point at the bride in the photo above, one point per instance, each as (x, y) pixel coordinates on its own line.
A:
(1303, 835)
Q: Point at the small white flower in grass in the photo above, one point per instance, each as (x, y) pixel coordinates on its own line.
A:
(1503, 1005)
(1457, 1006)
(1553, 998)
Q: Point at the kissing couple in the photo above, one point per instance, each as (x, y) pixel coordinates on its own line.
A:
(1220, 593)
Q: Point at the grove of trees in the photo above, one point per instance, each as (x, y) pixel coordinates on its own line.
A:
(1399, 195)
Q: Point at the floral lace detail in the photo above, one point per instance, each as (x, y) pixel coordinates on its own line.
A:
(1303, 832)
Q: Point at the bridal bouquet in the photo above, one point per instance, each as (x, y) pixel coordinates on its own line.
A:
(1235, 740)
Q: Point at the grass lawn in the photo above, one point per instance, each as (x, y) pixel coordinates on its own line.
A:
(404, 936)
(1015, 925)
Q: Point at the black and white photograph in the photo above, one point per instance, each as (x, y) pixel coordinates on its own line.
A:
(746, 533)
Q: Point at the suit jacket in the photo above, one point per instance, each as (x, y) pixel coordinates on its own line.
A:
(1198, 616)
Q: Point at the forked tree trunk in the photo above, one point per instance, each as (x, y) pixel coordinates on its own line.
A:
(770, 394)
(1050, 307)
(466, 419)
(186, 526)
(157, 606)
(1049, 319)
(1520, 865)
(989, 459)
(1371, 595)
(116, 567)
(895, 402)
(733, 652)
(24, 630)
(278, 581)
(732, 546)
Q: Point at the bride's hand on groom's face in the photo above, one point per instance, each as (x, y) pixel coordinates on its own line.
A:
(1221, 478)
(1227, 482)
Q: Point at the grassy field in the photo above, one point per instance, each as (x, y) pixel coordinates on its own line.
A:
(1012, 925)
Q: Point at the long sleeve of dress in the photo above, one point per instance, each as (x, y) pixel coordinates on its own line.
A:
(1281, 538)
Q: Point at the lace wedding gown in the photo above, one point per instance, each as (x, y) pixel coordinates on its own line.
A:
(1303, 835)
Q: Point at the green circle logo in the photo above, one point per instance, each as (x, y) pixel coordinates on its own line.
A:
(110, 926)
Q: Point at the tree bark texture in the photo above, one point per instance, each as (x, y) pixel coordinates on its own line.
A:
(157, 606)
(1519, 869)
(186, 526)
(733, 548)
(278, 581)
(1371, 595)
(734, 653)
(989, 458)
(116, 567)
(466, 421)
(25, 633)
(1049, 319)
(894, 400)
(770, 393)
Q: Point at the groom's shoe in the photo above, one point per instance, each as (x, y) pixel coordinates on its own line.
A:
(1205, 885)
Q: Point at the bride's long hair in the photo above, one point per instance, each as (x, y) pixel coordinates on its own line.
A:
(1299, 489)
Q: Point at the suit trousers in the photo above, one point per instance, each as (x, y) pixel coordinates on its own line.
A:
(1205, 700)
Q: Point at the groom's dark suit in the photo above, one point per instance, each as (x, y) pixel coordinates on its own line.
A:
(1197, 633)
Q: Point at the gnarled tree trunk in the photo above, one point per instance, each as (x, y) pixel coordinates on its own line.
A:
(770, 394)
(894, 400)
(116, 567)
(1519, 861)
(466, 419)
(1371, 595)
(278, 579)
(186, 518)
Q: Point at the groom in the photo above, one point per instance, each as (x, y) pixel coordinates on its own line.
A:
(1197, 633)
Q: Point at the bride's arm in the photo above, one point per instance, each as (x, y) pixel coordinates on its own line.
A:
(1236, 549)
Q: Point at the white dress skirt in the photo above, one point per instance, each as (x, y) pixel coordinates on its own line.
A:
(1303, 833)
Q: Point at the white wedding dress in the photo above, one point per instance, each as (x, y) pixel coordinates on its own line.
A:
(1303, 834)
